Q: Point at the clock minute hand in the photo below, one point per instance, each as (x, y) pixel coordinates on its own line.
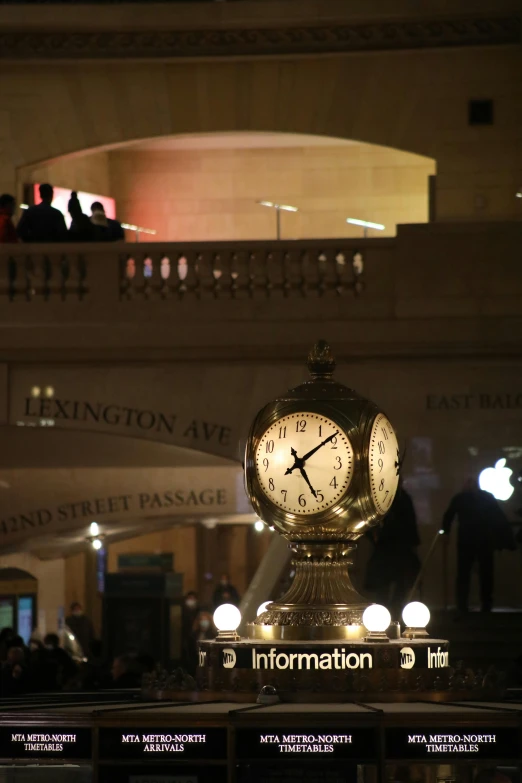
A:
(303, 474)
(323, 443)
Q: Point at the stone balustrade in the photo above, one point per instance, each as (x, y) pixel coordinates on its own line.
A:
(438, 289)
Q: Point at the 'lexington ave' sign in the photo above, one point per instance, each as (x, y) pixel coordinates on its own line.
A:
(338, 658)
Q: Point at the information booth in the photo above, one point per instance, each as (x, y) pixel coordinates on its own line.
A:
(122, 740)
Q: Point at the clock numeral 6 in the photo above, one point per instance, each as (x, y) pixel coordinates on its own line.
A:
(265, 463)
(271, 484)
(302, 500)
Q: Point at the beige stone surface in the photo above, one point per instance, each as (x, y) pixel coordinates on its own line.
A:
(416, 101)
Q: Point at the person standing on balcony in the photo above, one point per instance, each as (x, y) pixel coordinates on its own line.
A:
(81, 228)
(108, 230)
(7, 209)
(43, 223)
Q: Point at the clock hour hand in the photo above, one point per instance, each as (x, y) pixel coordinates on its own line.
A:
(297, 462)
(323, 443)
(303, 474)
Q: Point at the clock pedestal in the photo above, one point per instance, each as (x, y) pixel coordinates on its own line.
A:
(321, 602)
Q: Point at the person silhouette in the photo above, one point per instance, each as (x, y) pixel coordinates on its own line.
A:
(483, 528)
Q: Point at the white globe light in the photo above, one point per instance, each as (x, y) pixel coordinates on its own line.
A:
(94, 529)
(376, 618)
(97, 544)
(259, 526)
(416, 615)
(496, 480)
(262, 607)
(227, 617)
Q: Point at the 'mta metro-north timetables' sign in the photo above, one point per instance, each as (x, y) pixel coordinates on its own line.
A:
(453, 742)
(304, 742)
(163, 743)
(20, 742)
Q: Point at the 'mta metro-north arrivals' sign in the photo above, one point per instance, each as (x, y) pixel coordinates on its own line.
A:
(453, 742)
(163, 743)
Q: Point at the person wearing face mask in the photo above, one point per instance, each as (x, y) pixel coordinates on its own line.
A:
(81, 627)
(225, 593)
(202, 628)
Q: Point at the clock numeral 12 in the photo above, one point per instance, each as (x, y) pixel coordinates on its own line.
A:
(300, 426)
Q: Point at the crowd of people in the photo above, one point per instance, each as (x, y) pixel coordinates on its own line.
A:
(44, 223)
(73, 659)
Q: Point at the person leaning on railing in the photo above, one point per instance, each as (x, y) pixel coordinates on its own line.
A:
(7, 229)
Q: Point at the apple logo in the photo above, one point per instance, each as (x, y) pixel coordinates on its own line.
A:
(496, 480)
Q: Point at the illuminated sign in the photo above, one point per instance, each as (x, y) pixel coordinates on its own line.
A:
(43, 742)
(497, 480)
(333, 743)
(345, 658)
(163, 743)
(459, 742)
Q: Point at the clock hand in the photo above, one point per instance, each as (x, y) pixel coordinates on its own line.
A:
(297, 462)
(303, 474)
(326, 440)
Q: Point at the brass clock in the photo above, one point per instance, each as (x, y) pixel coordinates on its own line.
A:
(321, 467)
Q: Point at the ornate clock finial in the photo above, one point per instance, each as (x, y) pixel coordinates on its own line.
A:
(321, 362)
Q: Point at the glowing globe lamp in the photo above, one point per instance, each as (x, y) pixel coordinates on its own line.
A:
(376, 619)
(262, 607)
(226, 619)
(416, 617)
(259, 526)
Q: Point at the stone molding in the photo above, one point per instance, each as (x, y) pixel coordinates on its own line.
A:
(357, 37)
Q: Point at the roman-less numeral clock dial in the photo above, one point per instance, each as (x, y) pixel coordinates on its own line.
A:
(383, 463)
(304, 463)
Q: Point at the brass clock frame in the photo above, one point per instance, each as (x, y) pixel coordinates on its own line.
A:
(321, 602)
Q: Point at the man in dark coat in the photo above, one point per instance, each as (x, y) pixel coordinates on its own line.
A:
(394, 564)
(483, 527)
(42, 223)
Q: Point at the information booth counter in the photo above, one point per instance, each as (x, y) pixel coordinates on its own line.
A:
(125, 741)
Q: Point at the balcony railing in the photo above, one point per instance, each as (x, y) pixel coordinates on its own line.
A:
(161, 271)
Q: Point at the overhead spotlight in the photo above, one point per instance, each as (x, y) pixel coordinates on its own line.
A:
(49, 391)
(36, 391)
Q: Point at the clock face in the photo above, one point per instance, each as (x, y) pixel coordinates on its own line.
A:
(304, 463)
(384, 463)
